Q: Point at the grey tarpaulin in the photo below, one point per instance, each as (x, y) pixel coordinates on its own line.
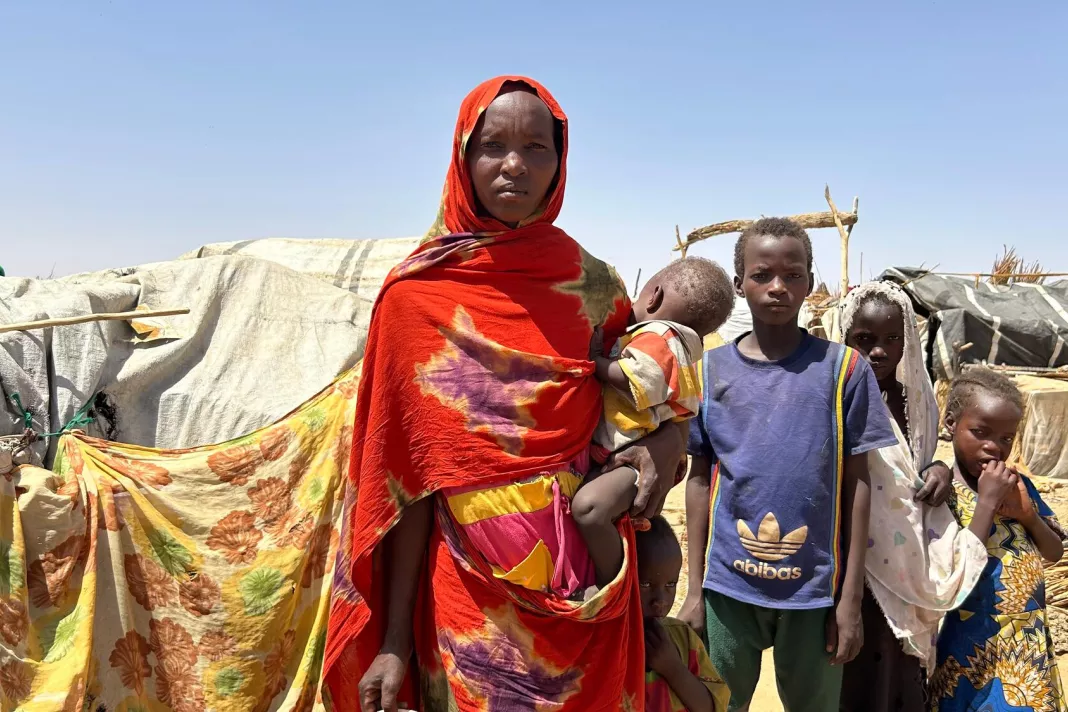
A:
(1016, 325)
(271, 323)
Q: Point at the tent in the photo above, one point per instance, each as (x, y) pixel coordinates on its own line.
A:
(271, 323)
(971, 322)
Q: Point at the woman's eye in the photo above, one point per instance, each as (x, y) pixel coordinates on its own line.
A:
(645, 585)
(979, 433)
(537, 147)
(490, 145)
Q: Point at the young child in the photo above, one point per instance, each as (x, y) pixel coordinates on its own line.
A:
(652, 381)
(679, 676)
(996, 652)
(786, 420)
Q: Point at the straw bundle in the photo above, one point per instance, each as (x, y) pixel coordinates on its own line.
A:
(1010, 268)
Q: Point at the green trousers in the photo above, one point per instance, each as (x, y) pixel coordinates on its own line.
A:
(737, 634)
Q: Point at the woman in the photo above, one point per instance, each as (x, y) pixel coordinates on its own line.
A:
(473, 423)
(920, 563)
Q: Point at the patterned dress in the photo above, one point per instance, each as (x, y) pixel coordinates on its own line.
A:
(995, 652)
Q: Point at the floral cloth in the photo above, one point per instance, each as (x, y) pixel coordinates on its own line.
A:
(185, 580)
(995, 652)
(476, 375)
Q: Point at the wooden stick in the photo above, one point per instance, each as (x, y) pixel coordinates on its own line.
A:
(636, 281)
(1007, 276)
(681, 246)
(845, 238)
(85, 319)
(809, 221)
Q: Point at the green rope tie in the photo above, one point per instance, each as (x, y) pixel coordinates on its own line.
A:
(81, 417)
(27, 416)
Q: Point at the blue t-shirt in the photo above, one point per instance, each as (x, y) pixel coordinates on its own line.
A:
(773, 432)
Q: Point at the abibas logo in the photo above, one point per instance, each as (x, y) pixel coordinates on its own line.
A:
(768, 546)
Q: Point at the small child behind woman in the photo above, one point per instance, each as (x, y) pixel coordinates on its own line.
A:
(652, 381)
(679, 674)
(995, 651)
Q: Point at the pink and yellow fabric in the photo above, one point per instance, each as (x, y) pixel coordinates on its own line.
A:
(660, 359)
(659, 697)
(184, 580)
(525, 531)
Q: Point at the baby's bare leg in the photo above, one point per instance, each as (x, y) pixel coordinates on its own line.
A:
(601, 500)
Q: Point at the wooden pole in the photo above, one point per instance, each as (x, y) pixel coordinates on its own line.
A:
(87, 318)
(809, 221)
(844, 237)
(636, 281)
(681, 246)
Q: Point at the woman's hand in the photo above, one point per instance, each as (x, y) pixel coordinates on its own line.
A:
(937, 484)
(381, 685)
(656, 457)
(692, 613)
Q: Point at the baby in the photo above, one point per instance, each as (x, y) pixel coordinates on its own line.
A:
(679, 674)
(653, 380)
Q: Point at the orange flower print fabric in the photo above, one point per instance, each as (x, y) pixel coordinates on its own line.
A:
(187, 580)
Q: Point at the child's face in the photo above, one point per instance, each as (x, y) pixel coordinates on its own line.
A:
(984, 432)
(658, 577)
(776, 279)
(878, 333)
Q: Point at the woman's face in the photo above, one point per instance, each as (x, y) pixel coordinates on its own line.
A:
(878, 333)
(512, 156)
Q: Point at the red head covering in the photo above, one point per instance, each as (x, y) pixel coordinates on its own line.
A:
(459, 207)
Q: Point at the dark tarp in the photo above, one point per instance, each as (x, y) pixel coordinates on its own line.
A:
(1015, 325)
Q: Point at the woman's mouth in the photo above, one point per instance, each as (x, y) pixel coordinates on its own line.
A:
(511, 193)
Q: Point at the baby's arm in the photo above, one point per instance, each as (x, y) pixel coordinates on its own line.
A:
(601, 500)
(610, 372)
(608, 369)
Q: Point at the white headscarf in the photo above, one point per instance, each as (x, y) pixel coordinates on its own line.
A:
(921, 406)
(920, 562)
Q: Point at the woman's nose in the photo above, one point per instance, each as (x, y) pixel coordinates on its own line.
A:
(878, 352)
(513, 164)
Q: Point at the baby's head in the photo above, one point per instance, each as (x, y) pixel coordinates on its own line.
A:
(692, 291)
(983, 413)
(659, 564)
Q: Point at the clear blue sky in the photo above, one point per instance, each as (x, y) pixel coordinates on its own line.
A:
(135, 131)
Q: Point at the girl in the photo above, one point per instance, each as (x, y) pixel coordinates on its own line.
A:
(995, 652)
(920, 562)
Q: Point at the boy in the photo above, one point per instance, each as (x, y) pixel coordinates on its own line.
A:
(785, 420)
(679, 676)
(652, 381)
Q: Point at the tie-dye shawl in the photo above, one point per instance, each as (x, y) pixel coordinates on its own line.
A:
(476, 375)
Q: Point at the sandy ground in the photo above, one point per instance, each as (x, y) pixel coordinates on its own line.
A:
(1055, 493)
